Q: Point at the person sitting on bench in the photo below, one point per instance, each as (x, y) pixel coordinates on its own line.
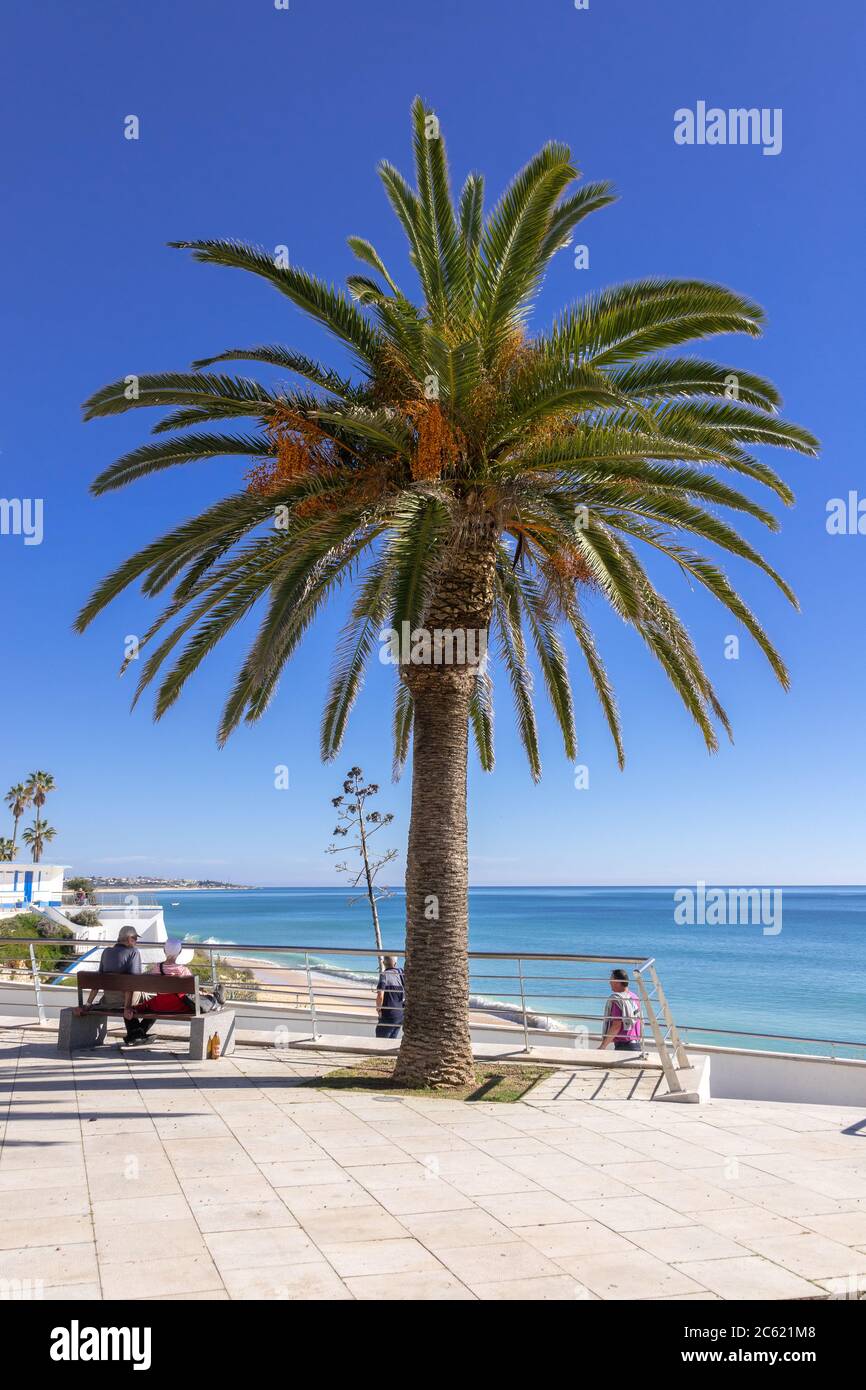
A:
(123, 958)
(168, 1003)
(177, 1003)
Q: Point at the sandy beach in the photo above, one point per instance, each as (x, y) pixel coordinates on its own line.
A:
(336, 994)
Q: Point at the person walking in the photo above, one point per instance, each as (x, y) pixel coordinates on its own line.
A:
(390, 999)
(622, 1025)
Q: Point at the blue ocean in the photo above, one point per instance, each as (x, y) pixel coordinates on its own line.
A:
(802, 977)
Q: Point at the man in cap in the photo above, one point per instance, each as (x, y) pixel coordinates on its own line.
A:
(123, 958)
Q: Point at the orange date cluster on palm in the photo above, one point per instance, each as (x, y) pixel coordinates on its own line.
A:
(303, 449)
(438, 444)
(300, 447)
(570, 565)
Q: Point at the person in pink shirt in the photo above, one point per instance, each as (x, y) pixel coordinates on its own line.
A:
(622, 1024)
(166, 1003)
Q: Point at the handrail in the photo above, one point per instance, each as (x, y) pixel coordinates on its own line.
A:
(523, 1013)
(499, 1012)
(772, 1037)
(225, 946)
(366, 951)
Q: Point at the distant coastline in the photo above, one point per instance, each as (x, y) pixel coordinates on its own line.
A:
(162, 885)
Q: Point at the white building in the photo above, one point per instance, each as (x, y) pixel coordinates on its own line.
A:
(39, 888)
(25, 885)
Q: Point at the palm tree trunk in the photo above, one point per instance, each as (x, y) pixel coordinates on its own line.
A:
(436, 1048)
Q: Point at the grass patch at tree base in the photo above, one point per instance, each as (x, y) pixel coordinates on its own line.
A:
(494, 1081)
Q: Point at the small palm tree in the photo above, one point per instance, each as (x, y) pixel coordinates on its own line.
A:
(7, 851)
(18, 799)
(467, 474)
(37, 836)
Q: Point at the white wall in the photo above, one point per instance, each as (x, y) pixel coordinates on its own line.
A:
(740, 1074)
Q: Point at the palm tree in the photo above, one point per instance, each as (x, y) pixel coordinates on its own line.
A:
(7, 851)
(18, 799)
(37, 837)
(39, 784)
(466, 473)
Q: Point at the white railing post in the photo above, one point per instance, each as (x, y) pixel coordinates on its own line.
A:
(679, 1048)
(312, 995)
(34, 970)
(523, 1005)
(670, 1071)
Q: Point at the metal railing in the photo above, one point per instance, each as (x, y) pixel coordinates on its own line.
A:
(520, 998)
(509, 991)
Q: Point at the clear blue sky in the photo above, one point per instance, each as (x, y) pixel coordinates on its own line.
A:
(267, 125)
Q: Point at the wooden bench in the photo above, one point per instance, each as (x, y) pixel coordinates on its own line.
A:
(79, 1029)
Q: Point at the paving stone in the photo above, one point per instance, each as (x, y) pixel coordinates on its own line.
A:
(633, 1213)
(748, 1276)
(634, 1274)
(51, 1264)
(165, 1278)
(554, 1287)
(257, 1247)
(679, 1243)
(451, 1229)
(812, 1256)
(529, 1209)
(243, 1216)
(393, 1257)
(419, 1286)
(350, 1224)
(570, 1238)
(483, 1264)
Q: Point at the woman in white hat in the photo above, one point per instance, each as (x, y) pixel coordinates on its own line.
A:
(174, 964)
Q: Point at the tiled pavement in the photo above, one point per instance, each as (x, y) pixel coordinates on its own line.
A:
(250, 1187)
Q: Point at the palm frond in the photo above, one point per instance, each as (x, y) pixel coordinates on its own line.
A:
(402, 726)
(189, 448)
(550, 652)
(481, 719)
(322, 302)
(275, 355)
(366, 252)
(353, 652)
(512, 652)
(570, 211)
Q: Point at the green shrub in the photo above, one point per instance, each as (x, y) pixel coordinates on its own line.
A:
(36, 929)
(200, 965)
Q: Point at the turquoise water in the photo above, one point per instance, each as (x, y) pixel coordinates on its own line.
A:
(807, 979)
